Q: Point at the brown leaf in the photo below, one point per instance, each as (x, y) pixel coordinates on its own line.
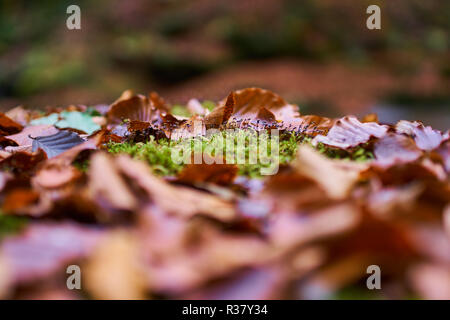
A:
(290, 230)
(395, 149)
(106, 186)
(431, 281)
(136, 107)
(53, 176)
(221, 174)
(8, 126)
(175, 200)
(336, 177)
(136, 125)
(348, 132)
(222, 113)
(263, 283)
(113, 270)
(425, 137)
(22, 163)
(20, 115)
(158, 102)
(309, 125)
(45, 249)
(250, 102)
(193, 127)
(444, 152)
(24, 138)
(18, 199)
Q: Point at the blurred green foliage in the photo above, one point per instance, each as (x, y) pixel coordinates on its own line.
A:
(167, 42)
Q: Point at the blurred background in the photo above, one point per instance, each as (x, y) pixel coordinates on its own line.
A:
(316, 53)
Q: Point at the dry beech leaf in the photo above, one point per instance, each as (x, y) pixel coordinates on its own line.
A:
(20, 115)
(393, 149)
(57, 143)
(444, 152)
(175, 200)
(158, 102)
(45, 249)
(262, 283)
(336, 177)
(335, 276)
(253, 101)
(113, 270)
(222, 113)
(25, 137)
(309, 125)
(5, 278)
(431, 281)
(425, 137)
(22, 163)
(221, 174)
(136, 125)
(348, 132)
(106, 186)
(390, 200)
(54, 176)
(68, 156)
(290, 230)
(193, 127)
(18, 199)
(131, 107)
(183, 255)
(8, 126)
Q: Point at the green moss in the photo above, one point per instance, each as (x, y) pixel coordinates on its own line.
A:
(179, 110)
(210, 105)
(11, 224)
(158, 153)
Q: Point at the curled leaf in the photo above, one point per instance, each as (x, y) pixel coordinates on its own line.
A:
(44, 249)
(425, 137)
(395, 149)
(24, 138)
(8, 126)
(135, 107)
(57, 143)
(222, 174)
(348, 132)
(336, 177)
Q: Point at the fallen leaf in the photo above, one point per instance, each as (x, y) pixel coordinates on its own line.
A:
(8, 126)
(425, 137)
(18, 199)
(395, 149)
(25, 137)
(348, 132)
(57, 143)
(113, 270)
(336, 177)
(45, 249)
(221, 174)
(431, 281)
(131, 107)
(175, 200)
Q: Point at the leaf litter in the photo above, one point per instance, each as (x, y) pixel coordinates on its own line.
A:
(105, 194)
